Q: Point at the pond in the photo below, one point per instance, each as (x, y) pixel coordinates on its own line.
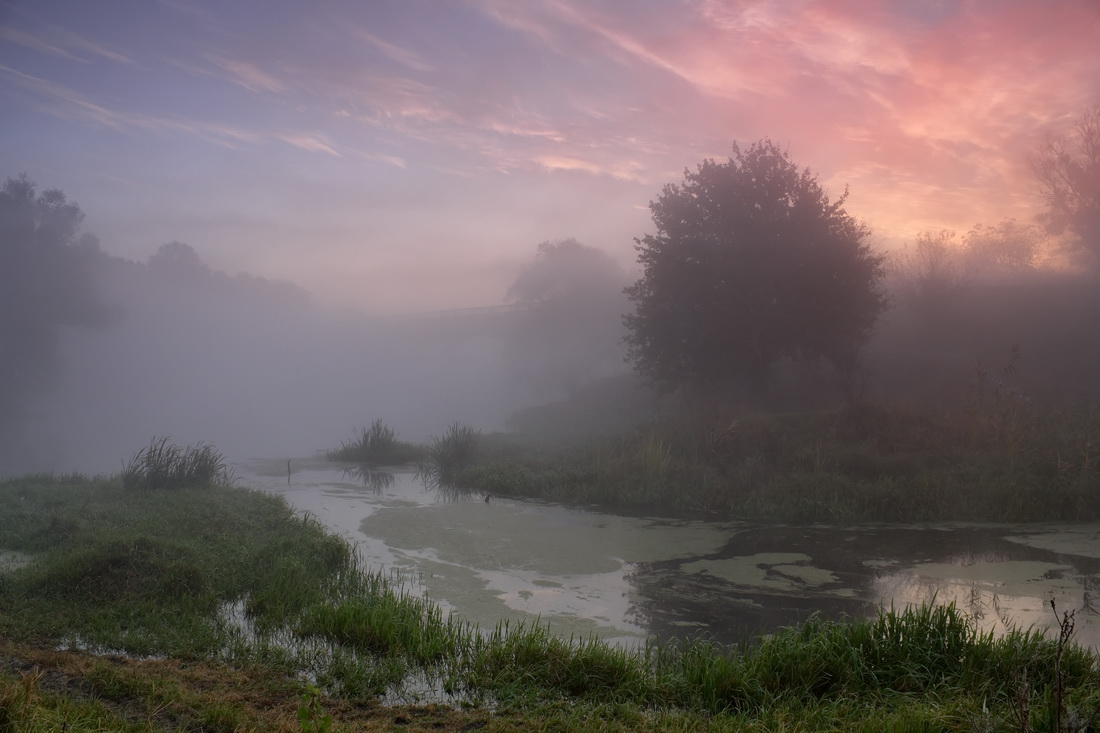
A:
(629, 578)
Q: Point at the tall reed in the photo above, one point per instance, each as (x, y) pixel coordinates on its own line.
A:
(164, 465)
(449, 456)
(375, 446)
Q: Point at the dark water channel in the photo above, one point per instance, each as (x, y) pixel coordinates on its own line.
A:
(627, 578)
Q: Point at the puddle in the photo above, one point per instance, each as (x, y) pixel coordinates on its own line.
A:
(13, 560)
(627, 578)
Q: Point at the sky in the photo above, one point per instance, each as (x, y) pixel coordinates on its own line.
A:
(407, 155)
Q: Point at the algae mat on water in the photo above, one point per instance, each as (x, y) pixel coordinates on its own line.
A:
(512, 560)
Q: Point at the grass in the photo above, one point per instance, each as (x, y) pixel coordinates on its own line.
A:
(449, 456)
(376, 446)
(223, 610)
(164, 465)
(995, 460)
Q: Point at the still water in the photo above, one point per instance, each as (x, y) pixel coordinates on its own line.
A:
(627, 578)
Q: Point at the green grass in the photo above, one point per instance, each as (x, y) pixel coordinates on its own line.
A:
(449, 456)
(231, 585)
(998, 460)
(164, 465)
(376, 446)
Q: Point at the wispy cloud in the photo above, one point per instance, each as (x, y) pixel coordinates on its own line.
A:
(247, 75)
(14, 35)
(66, 102)
(62, 44)
(310, 143)
(394, 52)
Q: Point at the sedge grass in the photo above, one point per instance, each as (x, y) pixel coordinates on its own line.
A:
(449, 456)
(164, 465)
(376, 446)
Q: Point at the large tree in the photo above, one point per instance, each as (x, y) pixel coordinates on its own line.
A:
(46, 282)
(750, 262)
(1068, 171)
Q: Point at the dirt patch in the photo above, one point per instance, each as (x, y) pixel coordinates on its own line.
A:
(170, 694)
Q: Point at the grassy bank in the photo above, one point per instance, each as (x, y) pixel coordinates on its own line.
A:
(1001, 461)
(219, 609)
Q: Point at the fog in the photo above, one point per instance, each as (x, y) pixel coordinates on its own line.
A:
(265, 369)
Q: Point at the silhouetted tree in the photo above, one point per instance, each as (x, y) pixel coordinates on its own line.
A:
(934, 271)
(1004, 248)
(1068, 171)
(569, 328)
(46, 281)
(180, 262)
(750, 263)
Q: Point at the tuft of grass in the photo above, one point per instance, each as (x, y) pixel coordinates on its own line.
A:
(514, 661)
(376, 446)
(164, 465)
(449, 456)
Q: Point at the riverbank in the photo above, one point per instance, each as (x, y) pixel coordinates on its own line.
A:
(221, 609)
(997, 461)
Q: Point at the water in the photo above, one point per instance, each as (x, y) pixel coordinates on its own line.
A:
(628, 578)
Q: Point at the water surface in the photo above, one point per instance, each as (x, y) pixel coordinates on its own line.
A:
(628, 578)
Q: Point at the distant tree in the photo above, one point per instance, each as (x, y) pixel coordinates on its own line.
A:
(750, 262)
(180, 262)
(46, 281)
(569, 326)
(934, 271)
(1068, 171)
(180, 266)
(1004, 248)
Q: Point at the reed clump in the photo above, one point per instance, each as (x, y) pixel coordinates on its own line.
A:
(449, 456)
(166, 466)
(376, 446)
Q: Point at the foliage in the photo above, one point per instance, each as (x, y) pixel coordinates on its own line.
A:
(46, 281)
(1004, 248)
(931, 279)
(377, 446)
(163, 465)
(750, 262)
(568, 325)
(1067, 169)
(311, 715)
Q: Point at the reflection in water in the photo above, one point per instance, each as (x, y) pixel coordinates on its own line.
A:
(369, 477)
(450, 493)
(628, 577)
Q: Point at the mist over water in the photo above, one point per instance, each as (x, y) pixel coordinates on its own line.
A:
(258, 378)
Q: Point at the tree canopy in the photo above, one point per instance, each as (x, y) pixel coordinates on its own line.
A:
(1068, 171)
(750, 262)
(45, 282)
